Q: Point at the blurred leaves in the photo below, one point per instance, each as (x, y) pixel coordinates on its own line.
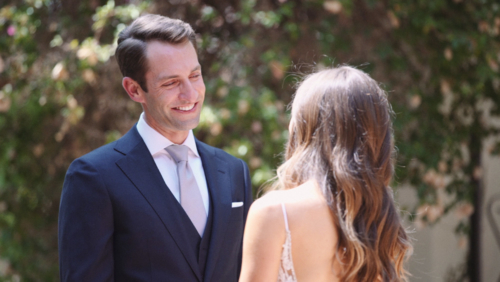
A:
(61, 96)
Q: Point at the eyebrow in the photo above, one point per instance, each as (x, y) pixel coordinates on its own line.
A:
(161, 78)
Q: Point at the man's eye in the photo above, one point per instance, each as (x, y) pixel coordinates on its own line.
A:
(171, 83)
(196, 75)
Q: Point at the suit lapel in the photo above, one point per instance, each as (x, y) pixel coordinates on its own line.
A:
(138, 165)
(217, 176)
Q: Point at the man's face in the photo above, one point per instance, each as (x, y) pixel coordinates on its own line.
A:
(175, 89)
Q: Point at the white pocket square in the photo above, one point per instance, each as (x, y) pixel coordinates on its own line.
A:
(236, 204)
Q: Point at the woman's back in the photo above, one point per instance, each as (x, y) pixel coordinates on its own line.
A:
(340, 147)
(314, 238)
(313, 233)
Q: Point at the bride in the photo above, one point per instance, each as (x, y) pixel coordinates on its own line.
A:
(332, 215)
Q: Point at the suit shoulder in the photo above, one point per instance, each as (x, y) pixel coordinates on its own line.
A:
(110, 152)
(103, 154)
(223, 154)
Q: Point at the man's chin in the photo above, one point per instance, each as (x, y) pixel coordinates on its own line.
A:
(188, 125)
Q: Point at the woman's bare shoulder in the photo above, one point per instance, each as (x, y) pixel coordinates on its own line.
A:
(269, 205)
(265, 221)
(303, 194)
(302, 198)
(268, 208)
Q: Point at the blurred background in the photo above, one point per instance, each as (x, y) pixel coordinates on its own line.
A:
(61, 97)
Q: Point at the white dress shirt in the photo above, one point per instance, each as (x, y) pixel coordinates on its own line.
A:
(157, 143)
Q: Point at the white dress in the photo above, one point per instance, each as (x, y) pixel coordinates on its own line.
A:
(286, 272)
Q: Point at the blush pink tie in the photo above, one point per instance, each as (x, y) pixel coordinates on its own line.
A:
(190, 195)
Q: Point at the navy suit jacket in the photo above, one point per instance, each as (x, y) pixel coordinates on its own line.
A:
(118, 221)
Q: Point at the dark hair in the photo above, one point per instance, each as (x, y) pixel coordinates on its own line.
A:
(132, 42)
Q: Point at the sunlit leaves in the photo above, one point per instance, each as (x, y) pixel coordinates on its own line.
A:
(268, 18)
(60, 93)
(109, 11)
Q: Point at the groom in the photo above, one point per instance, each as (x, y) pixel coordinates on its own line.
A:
(157, 204)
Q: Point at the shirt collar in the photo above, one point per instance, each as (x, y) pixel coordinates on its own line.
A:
(155, 142)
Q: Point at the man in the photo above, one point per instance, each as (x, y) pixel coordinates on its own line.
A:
(136, 209)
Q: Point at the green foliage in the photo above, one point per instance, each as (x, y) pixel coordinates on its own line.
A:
(60, 94)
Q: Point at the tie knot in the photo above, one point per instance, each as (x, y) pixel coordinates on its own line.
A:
(178, 152)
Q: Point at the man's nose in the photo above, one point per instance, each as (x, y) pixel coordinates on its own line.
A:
(188, 92)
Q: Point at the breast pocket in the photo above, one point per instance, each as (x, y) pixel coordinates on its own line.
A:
(236, 212)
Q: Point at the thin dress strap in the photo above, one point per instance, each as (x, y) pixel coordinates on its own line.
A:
(286, 272)
(284, 215)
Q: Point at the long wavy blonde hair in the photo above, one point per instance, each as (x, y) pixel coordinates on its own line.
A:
(341, 136)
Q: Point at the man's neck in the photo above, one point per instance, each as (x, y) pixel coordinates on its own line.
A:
(176, 137)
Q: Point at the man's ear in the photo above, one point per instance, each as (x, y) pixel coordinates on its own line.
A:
(133, 89)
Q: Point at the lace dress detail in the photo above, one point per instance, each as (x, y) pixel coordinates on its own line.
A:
(287, 272)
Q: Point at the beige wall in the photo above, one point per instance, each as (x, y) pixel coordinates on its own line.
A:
(438, 251)
(490, 248)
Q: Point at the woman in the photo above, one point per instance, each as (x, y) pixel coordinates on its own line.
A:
(333, 216)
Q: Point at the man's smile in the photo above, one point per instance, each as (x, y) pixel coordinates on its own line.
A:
(186, 108)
